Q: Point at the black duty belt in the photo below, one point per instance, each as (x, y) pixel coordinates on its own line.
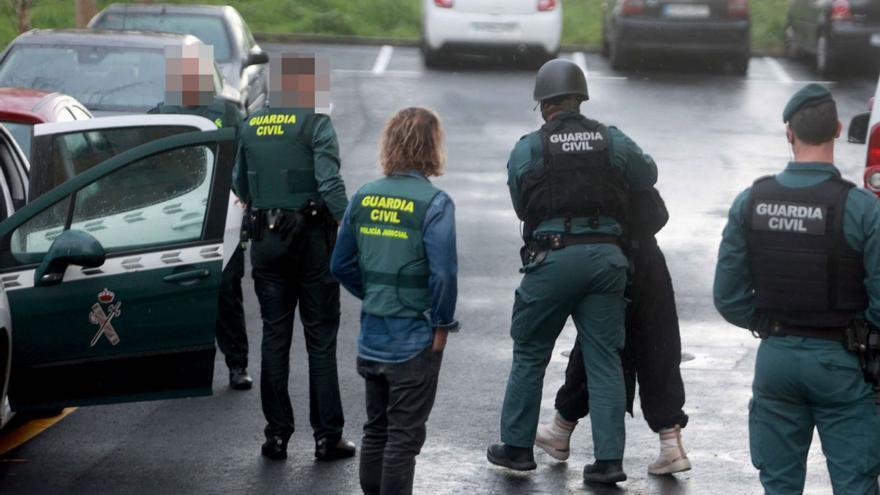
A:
(560, 241)
(834, 334)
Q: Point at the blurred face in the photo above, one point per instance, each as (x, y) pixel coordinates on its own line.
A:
(189, 75)
(299, 81)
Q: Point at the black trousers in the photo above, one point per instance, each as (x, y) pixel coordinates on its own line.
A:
(400, 397)
(653, 348)
(231, 330)
(287, 272)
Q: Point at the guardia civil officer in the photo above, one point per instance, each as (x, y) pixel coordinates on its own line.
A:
(799, 263)
(652, 354)
(570, 184)
(288, 174)
(189, 90)
(397, 253)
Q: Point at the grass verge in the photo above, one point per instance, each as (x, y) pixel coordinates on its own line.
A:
(385, 18)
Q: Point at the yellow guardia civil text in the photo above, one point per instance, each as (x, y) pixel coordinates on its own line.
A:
(386, 210)
(271, 124)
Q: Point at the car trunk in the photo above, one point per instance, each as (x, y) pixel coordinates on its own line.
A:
(687, 9)
(496, 6)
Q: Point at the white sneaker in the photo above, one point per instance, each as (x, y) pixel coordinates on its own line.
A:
(554, 438)
(672, 458)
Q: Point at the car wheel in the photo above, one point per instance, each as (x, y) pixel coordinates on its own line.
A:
(432, 58)
(791, 49)
(605, 49)
(618, 57)
(740, 64)
(826, 62)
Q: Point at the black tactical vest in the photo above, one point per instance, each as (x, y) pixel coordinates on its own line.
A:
(577, 179)
(803, 271)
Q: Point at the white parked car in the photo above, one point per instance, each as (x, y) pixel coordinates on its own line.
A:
(523, 28)
(865, 129)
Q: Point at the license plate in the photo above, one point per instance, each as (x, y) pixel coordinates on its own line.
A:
(875, 40)
(494, 27)
(687, 11)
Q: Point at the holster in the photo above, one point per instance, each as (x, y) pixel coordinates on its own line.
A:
(253, 224)
(863, 339)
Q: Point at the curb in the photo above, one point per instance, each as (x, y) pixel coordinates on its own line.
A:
(414, 42)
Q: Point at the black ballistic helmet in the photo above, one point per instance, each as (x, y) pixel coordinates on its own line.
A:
(560, 77)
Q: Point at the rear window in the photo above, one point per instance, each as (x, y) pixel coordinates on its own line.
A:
(211, 30)
(22, 135)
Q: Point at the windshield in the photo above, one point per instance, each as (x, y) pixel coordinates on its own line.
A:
(22, 135)
(211, 30)
(101, 77)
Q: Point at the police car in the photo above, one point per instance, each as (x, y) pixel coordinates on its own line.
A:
(109, 274)
(865, 129)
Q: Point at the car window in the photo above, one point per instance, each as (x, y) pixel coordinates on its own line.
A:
(63, 156)
(21, 132)
(109, 78)
(159, 200)
(210, 29)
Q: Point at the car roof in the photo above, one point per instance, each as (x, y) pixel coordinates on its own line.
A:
(27, 104)
(217, 10)
(98, 37)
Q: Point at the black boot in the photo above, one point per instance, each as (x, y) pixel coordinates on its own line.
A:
(275, 447)
(607, 472)
(325, 451)
(517, 458)
(239, 379)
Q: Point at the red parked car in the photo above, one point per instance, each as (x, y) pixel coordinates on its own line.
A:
(21, 108)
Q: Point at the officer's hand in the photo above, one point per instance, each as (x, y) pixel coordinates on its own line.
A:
(439, 339)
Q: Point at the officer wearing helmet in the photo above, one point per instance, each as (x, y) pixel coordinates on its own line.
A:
(570, 183)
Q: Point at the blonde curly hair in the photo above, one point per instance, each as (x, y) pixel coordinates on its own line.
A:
(413, 140)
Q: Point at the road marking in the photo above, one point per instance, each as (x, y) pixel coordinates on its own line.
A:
(29, 430)
(581, 61)
(383, 59)
(777, 69)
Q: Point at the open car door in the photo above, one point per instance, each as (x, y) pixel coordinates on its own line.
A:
(113, 276)
(63, 150)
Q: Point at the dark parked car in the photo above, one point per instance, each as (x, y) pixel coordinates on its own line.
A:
(645, 27)
(241, 60)
(108, 71)
(833, 31)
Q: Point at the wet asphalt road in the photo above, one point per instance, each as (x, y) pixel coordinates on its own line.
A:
(711, 133)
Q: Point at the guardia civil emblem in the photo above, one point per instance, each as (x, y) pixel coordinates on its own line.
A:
(103, 313)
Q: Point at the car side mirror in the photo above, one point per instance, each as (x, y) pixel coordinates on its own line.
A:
(257, 58)
(72, 247)
(858, 128)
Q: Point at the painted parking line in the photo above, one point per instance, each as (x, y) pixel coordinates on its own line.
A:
(581, 61)
(777, 69)
(383, 59)
(29, 430)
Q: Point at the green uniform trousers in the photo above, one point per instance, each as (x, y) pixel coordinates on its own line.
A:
(587, 283)
(802, 383)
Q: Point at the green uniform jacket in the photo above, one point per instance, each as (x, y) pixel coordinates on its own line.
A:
(638, 168)
(733, 282)
(277, 143)
(221, 112)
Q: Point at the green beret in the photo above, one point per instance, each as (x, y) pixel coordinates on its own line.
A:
(811, 95)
